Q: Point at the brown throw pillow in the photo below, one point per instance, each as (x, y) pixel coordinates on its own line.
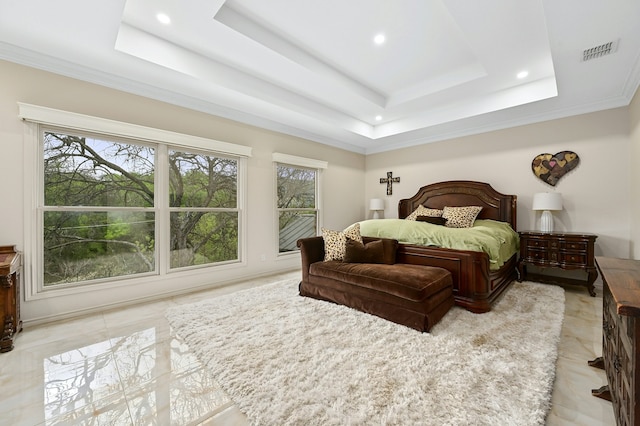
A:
(390, 248)
(434, 220)
(357, 252)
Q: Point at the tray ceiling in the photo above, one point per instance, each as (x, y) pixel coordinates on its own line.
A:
(446, 68)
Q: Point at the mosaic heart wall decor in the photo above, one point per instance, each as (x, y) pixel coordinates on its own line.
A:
(549, 168)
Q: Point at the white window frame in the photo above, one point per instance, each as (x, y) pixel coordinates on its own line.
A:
(308, 163)
(36, 116)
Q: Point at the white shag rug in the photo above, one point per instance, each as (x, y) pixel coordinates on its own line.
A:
(291, 360)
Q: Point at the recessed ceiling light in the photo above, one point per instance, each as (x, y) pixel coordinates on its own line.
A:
(522, 74)
(163, 18)
(379, 38)
(378, 117)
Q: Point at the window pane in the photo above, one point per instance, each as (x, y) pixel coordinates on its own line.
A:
(199, 238)
(295, 225)
(81, 171)
(296, 187)
(82, 246)
(198, 180)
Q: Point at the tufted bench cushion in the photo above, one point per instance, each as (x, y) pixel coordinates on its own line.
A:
(411, 282)
(413, 295)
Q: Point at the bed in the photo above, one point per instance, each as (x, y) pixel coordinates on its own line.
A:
(476, 284)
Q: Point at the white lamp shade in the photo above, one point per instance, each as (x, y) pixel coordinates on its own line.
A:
(376, 204)
(547, 201)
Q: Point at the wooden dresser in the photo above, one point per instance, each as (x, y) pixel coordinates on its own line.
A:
(10, 267)
(620, 337)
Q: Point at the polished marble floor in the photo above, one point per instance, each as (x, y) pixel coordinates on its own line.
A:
(124, 367)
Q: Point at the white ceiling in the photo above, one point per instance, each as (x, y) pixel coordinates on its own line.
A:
(311, 69)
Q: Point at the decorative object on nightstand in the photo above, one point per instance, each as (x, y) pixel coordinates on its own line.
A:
(568, 251)
(547, 201)
(376, 205)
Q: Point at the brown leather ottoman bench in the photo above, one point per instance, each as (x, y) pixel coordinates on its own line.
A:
(417, 296)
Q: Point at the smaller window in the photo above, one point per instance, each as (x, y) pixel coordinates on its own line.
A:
(297, 205)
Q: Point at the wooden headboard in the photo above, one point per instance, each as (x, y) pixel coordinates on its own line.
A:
(460, 193)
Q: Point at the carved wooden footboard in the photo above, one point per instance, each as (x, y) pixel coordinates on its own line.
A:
(475, 286)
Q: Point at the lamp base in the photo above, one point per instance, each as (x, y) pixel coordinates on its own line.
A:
(376, 215)
(546, 221)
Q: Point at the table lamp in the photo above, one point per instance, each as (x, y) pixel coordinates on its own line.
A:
(547, 202)
(376, 205)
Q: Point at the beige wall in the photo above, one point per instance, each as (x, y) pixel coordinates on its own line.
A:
(634, 159)
(343, 184)
(595, 194)
(600, 196)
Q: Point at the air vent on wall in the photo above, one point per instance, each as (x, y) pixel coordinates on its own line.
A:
(598, 51)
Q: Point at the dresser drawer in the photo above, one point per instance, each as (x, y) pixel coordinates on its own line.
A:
(620, 368)
(611, 344)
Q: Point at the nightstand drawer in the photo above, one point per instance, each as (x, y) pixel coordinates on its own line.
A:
(542, 256)
(536, 254)
(534, 243)
(574, 258)
(574, 245)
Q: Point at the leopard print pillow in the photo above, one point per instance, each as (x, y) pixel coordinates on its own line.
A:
(460, 217)
(424, 211)
(335, 241)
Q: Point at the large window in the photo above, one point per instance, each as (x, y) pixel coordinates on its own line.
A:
(297, 204)
(123, 201)
(100, 203)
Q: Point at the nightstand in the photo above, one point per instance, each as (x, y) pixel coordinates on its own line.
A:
(559, 250)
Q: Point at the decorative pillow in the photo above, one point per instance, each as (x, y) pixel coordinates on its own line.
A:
(424, 211)
(433, 220)
(461, 217)
(334, 241)
(372, 252)
(390, 249)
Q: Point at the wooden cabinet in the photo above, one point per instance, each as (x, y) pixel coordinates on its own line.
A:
(559, 250)
(621, 331)
(10, 268)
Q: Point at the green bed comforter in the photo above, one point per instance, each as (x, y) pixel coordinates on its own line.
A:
(497, 239)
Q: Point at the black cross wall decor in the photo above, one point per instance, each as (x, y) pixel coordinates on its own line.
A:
(389, 181)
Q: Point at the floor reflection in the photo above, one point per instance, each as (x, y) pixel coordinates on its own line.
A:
(125, 367)
(135, 376)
